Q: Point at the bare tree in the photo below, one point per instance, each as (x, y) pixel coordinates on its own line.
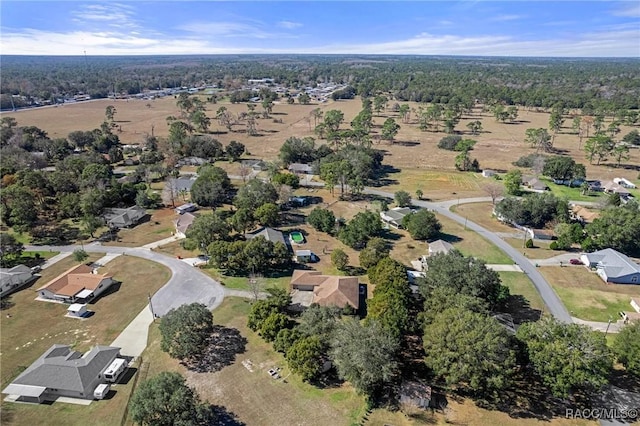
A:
(244, 172)
(284, 193)
(256, 285)
(494, 190)
(170, 191)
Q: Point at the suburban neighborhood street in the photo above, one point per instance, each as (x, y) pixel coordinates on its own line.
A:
(550, 298)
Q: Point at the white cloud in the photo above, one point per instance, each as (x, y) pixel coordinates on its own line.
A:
(505, 18)
(113, 15)
(631, 10)
(289, 25)
(231, 29)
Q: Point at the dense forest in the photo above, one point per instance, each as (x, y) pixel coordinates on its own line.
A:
(590, 84)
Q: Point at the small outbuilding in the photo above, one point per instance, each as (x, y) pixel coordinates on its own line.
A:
(78, 310)
(304, 256)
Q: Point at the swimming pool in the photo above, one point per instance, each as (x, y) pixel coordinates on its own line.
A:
(296, 237)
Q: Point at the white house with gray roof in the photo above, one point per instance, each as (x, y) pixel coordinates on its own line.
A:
(61, 371)
(613, 266)
(394, 216)
(11, 279)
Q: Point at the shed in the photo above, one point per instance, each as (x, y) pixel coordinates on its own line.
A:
(488, 173)
(304, 256)
(77, 310)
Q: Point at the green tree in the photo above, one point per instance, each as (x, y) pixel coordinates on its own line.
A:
(360, 229)
(79, 255)
(389, 129)
(422, 225)
(242, 220)
(339, 259)
(285, 339)
(419, 194)
(319, 321)
(444, 298)
(633, 137)
(272, 325)
(626, 347)
(267, 214)
(512, 182)
(370, 366)
(568, 357)
(166, 400)
(598, 147)
(91, 224)
(10, 249)
(200, 121)
(540, 139)
(617, 228)
(212, 186)
(185, 331)
(402, 198)
(469, 350)
(465, 163)
(110, 112)
(322, 220)
(206, 229)
(298, 150)
(620, 152)
(404, 112)
(305, 357)
(389, 305)
(475, 127)
(379, 102)
(234, 150)
(559, 167)
(304, 98)
(376, 249)
(254, 194)
(467, 275)
(332, 120)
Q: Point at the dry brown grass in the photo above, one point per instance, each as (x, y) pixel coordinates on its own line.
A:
(415, 151)
(34, 326)
(481, 213)
(586, 296)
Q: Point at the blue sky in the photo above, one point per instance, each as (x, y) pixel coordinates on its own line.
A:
(500, 28)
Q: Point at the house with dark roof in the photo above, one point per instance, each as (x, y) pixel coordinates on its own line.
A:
(269, 234)
(11, 279)
(415, 394)
(124, 218)
(534, 184)
(439, 246)
(327, 290)
(611, 187)
(395, 215)
(61, 371)
(254, 164)
(612, 266)
(79, 284)
(301, 169)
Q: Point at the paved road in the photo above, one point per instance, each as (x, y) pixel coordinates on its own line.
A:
(550, 298)
(186, 285)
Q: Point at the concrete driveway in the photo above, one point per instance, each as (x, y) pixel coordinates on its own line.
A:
(186, 285)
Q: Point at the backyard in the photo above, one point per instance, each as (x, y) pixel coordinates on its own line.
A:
(586, 296)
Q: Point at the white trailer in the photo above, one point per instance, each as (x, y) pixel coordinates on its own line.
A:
(101, 391)
(114, 370)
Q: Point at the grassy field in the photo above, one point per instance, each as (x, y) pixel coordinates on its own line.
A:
(471, 243)
(482, 214)
(520, 284)
(540, 249)
(415, 152)
(253, 396)
(33, 326)
(437, 184)
(586, 296)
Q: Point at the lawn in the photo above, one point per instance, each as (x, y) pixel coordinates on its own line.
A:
(158, 227)
(520, 284)
(573, 194)
(482, 214)
(253, 396)
(242, 283)
(540, 249)
(471, 243)
(436, 185)
(586, 296)
(33, 326)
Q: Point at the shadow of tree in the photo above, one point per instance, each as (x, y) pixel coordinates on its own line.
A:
(224, 344)
(520, 309)
(223, 417)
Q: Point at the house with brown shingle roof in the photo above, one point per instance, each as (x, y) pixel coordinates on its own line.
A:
(326, 290)
(79, 284)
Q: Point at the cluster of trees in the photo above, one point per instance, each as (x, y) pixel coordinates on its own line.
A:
(422, 225)
(463, 160)
(516, 81)
(257, 255)
(354, 233)
(302, 150)
(535, 210)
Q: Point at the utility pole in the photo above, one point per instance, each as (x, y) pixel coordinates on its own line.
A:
(608, 325)
(151, 307)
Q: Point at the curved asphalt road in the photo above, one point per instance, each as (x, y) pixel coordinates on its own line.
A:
(550, 298)
(186, 285)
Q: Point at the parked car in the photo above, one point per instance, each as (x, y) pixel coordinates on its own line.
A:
(575, 262)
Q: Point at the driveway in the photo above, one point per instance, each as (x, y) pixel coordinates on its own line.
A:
(186, 285)
(550, 298)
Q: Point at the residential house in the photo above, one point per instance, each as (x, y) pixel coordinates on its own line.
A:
(611, 187)
(255, 165)
(124, 218)
(11, 279)
(177, 187)
(182, 223)
(186, 208)
(61, 371)
(415, 394)
(79, 284)
(582, 214)
(488, 173)
(192, 161)
(394, 216)
(301, 169)
(327, 290)
(613, 266)
(439, 246)
(534, 184)
(269, 234)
